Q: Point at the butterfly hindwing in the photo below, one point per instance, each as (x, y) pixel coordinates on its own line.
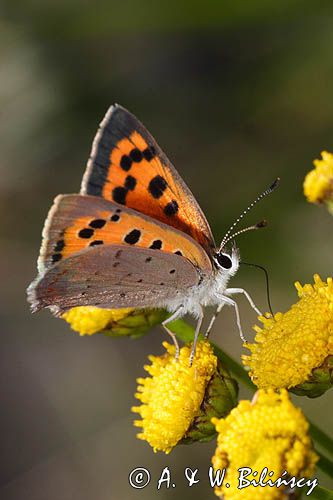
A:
(114, 276)
(77, 222)
(128, 167)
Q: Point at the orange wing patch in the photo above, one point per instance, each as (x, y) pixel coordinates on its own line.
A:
(125, 229)
(138, 180)
(81, 222)
(128, 167)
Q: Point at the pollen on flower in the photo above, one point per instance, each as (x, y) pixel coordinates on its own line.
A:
(291, 345)
(267, 432)
(88, 320)
(172, 394)
(318, 183)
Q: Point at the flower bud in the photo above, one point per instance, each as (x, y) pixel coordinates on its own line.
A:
(87, 320)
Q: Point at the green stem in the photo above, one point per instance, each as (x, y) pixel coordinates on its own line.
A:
(185, 333)
(235, 368)
(321, 493)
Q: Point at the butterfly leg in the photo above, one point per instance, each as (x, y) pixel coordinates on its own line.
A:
(171, 318)
(196, 335)
(233, 291)
(212, 321)
(231, 302)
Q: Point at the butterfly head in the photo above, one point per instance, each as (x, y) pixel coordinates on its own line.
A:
(227, 261)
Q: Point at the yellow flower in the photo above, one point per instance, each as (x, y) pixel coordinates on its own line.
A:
(171, 396)
(291, 345)
(318, 184)
(88, 320)
(267, 432)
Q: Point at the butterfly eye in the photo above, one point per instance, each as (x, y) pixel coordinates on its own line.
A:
(224, 260)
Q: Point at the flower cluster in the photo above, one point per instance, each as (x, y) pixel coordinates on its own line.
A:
(173, 395)
(293, 347)
(267, 432)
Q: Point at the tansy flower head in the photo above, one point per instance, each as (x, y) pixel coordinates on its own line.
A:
(88, 320)
(267, 432)
(173, 397)
(294, 348)
(318, 184)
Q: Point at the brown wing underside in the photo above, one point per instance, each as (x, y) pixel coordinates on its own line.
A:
(114, 276)
(128, 167)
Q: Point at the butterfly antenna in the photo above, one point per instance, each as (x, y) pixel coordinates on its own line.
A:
(227, 236)
(259, 225)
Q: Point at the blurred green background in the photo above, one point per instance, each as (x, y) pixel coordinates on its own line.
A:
(236, 93)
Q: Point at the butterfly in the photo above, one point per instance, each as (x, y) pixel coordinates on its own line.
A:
(135, 236)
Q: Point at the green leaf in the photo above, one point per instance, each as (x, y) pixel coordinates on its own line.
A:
(325, 465)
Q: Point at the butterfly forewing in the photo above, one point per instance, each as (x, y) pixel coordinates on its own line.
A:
(128, 167)
(78, 222)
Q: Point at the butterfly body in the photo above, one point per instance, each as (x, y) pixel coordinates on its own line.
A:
(208, 292)
(134, 237)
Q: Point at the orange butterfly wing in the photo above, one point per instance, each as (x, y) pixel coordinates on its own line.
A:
(128, 167)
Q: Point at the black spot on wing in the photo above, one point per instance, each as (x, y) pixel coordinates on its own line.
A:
(56, 257)
(171, 208)
(59, 246)
(149, 153)
(126, 163)
(86, 233)
(130, 183)
(156, 245)
(96, 242)
(115, 218)
(119, 195)
(136, 155)
(132, 237)
(97, 223)
(157, 186)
